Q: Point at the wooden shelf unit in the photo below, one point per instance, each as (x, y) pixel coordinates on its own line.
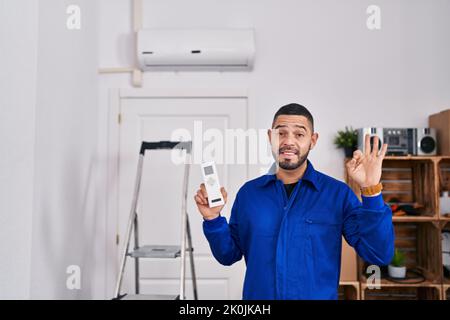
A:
(414, 180)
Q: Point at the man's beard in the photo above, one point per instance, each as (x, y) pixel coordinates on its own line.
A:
(288, 165)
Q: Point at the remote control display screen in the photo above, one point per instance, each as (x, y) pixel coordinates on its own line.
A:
(208, 170)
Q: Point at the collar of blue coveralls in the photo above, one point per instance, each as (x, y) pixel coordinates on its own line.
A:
(310, 176)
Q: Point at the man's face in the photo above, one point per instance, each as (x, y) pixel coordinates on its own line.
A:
(291, 138)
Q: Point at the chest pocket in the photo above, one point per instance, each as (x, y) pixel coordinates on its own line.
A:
(323, 224)
(324, 232)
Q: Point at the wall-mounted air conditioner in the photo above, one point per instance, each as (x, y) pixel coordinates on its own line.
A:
(196, 49)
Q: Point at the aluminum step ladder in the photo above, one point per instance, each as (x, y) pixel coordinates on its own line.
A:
(158, 251)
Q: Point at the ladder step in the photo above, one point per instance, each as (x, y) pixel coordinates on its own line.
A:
(150, 297)
(152, 251)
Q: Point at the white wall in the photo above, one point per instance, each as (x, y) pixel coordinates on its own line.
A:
(315, 52)
(49, 217)
(17, 115)
(67, 227)
(318, 53)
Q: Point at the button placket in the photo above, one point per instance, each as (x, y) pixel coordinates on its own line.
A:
(282, 243)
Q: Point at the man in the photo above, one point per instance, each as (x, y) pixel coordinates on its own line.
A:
(289, 225)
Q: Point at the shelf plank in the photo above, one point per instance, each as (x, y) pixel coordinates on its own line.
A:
(414, 219)
(390, 284)
(410, 157)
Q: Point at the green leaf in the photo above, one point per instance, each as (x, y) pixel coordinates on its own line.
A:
(398, 260)
(346, 138)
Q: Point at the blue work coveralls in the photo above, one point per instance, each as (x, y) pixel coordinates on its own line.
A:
(292, 246)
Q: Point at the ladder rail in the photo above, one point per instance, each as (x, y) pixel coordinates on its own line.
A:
(183, 225)
(125, 249)
(136, 259)
(191, 258)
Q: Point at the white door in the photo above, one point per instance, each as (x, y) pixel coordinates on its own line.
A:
(159, 208)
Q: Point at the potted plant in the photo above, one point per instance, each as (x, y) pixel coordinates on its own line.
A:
(347, 139)
(397, 268)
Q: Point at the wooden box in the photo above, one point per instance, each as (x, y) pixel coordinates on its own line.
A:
(410, 182)
(421, 243)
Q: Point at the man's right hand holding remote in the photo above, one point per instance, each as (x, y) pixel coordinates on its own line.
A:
(201, 199)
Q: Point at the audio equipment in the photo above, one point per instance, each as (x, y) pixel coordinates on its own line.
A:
(401, 141)
(426, 142)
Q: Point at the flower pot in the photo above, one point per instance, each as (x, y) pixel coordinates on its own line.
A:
(397, 272)
(349, 151)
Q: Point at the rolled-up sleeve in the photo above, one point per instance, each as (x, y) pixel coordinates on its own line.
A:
(368, 228)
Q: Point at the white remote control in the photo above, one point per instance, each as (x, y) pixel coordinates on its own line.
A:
(212, 184)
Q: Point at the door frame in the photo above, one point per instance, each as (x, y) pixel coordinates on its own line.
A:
(113, 135)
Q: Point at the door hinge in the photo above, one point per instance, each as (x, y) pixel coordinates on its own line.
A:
(119, 118)
(117, 239)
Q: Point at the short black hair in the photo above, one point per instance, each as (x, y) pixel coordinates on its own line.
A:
(295, 109)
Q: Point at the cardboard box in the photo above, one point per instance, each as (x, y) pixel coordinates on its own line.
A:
(441, 121)
(349, 270)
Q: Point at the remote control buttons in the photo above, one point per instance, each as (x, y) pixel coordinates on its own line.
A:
(211, 181)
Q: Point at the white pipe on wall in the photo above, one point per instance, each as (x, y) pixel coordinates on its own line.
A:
(137, 25)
